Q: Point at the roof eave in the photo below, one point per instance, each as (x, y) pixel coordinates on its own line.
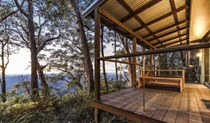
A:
(90, 9)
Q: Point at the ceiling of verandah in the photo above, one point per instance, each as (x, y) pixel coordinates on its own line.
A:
(161, 23)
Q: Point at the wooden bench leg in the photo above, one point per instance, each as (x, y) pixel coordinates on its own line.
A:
(181, 87)
(140, 83)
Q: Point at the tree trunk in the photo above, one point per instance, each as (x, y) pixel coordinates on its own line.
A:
(182, 58)
(3, 82)
(102, 54)
(126, 50)
(44, 85)
(115, 53)
(34, 79)
(85, 48)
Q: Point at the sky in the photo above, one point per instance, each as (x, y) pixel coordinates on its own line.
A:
(19, 62)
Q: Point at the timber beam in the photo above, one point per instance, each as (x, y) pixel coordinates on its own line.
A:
(123, 113)
(123, 62)
(114, 20)
(162, 17)
(171, 49)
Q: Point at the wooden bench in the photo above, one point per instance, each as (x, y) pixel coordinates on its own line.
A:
(162, 81)
(172, 81)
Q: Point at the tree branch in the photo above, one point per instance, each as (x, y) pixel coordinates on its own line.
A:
(21, 35)
(20, 8)
(7, 57)
(40, 29)
(47, 41)
(13, 12)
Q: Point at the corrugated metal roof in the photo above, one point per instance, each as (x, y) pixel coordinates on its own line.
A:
(181, 15)
(176, 44)
(168, 36)
(183, 31)
(115, 9)
(155, 11)
(132, 23)
(160, 24)
(179, 3)
(142, 32)
(183, 25)
(165, 31)
(135, 4)
(154, 20)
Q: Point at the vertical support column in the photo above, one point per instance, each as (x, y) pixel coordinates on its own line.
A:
(158, 64)
(97, 62)
(151, 60)
(134, 61)
(187, 58)
(206, 64)
(209, 65)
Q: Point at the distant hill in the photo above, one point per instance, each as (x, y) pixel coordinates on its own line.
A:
(15, 79)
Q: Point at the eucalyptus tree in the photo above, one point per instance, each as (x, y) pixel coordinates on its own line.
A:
(73, 58)
(8, 47)
(126, 45)
(85, 48)
(69, 60)
(37, 23)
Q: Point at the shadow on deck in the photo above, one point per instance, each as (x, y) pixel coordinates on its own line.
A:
(160, 105)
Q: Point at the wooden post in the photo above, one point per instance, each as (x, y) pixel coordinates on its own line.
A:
(134, 61)
(151, 60)
(183, 79)
(143, 71)
(120, 72)
(158, 64)
(97, 62)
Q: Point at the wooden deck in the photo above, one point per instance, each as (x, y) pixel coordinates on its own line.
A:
(162, 105)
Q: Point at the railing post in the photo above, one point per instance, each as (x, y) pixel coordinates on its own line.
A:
(97, 62)
(134, 61)
(183, 78)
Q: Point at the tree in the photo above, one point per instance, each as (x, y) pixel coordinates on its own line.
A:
(38, 28)
(8, 46)
(85, 48)
(69, 61)
(115, 53)
(126, 48)
(102, 55)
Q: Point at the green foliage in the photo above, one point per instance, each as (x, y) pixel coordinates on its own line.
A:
(66, 108)
(113, 86)
(69, 108)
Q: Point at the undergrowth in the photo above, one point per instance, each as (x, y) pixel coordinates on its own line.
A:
(68, 108)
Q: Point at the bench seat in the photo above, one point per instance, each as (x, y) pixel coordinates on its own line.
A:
(177, 81)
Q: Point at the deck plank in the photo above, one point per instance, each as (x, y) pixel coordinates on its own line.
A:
(163, 105)
(203, 94)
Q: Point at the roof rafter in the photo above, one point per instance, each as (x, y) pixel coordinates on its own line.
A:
(175, 37)
(163, 29)
(158, 51)
(185, 27)
(172, 43)
(125, 5)
(173, 7)
(162, 17)
(183, 44)
(114, 20)
(148, 5)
